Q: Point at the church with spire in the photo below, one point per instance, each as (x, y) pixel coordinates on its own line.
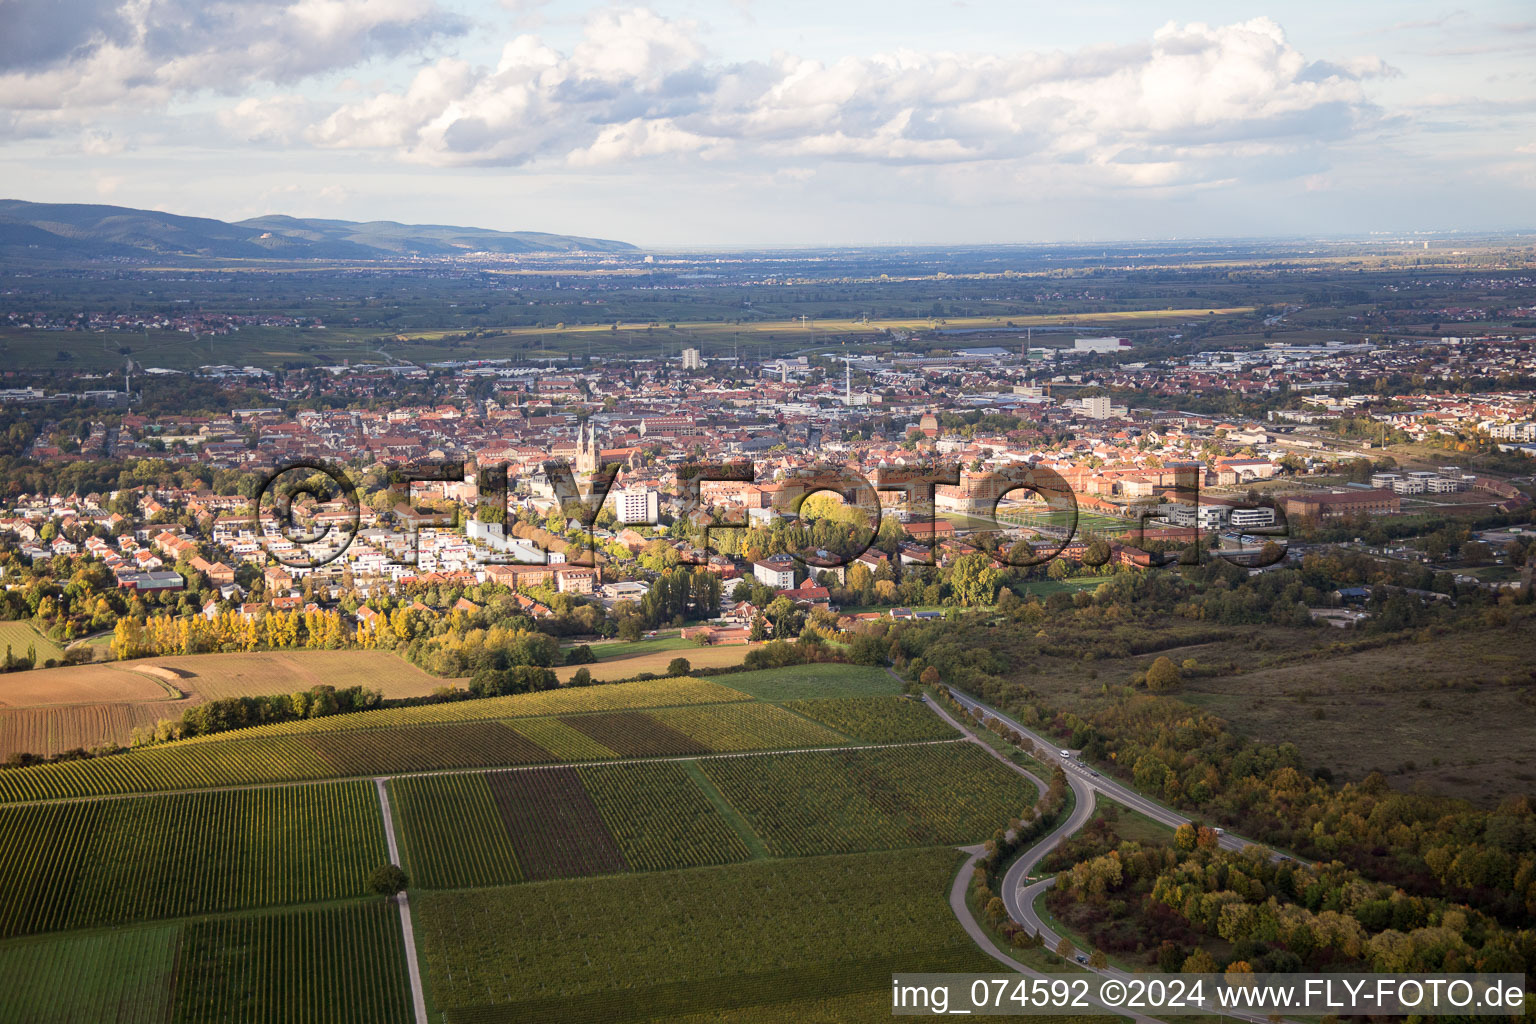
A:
(588, 461)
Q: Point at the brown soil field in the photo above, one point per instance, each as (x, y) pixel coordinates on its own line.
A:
(82, 684)
(656, 661)
(47, 711)
(51, 730)
(212, 676)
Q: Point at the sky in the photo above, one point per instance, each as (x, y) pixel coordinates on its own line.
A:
(745, 123)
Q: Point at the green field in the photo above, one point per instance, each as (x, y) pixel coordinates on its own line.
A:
(798, 682)
(652, 718)
(77, 865)
(876, 719)
(635, 648)
(503, 827)
(491, 732)
(666, 944)
(19, 636)
(735, 727)
(343, 964)
(499, 828)
(667, 870)
(1084, 523)
(126, 976)
(659, 817)
(1045, 588)
(234, 760)
(24, 348)
(650, 693)
(871, 798)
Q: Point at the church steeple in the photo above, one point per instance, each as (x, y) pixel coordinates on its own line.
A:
(586, 450)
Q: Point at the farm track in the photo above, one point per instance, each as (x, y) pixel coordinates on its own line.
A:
(402, 900)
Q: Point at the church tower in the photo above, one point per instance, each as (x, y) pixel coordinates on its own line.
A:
(586, 451)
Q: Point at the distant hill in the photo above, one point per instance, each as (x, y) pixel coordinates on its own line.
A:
(82, 231)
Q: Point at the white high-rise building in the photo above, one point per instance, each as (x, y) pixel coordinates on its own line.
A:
(691, 359)
(1098, 407)
(635, 506)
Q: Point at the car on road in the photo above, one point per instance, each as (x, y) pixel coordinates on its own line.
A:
(1093, 773)
(1066, 753)
(1081, 959)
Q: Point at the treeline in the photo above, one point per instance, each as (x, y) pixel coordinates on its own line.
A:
(229, 713)
(231, 631)
(1195, 907)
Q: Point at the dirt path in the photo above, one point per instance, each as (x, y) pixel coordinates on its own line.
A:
(413, 967)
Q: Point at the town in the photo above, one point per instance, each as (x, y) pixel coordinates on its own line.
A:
(1157, 586)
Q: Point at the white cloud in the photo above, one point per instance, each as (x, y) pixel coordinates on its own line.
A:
(267, 119)
(1193, 103)
(69, 59)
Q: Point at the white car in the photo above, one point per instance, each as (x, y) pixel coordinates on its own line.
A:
(1066, 753)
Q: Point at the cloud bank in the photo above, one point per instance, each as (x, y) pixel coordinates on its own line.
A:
(1192, 104)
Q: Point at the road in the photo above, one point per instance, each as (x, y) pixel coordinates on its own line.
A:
(412, 965)
(1019, 894)
(962, 884)
(1086, 781)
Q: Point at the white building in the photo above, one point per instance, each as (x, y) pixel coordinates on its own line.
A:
(1098, 407)
(691, 360)
(1100, 344)
(1207, 517)
(778, 575)
(1251, 518)
(635, 506)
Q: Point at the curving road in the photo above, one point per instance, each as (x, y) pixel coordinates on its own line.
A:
(1086, 781)
(961, 887)
(1018, 893)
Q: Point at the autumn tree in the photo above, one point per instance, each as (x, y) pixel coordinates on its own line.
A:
(1199, 962)
(1163, 676)
(973, 580)
(388, 879)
